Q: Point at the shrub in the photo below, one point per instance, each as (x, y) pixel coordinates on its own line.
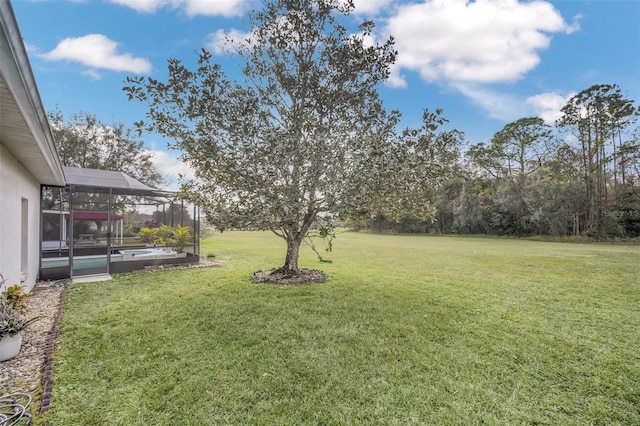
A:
(181, 236)
(148, 235)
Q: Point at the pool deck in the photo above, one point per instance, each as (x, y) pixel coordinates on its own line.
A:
(90, 278)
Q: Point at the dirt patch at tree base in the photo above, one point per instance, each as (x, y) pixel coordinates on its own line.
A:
(277, 276)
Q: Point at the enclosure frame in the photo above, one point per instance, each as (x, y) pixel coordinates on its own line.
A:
(102, 197)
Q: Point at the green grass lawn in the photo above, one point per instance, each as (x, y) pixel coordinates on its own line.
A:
(406, 330)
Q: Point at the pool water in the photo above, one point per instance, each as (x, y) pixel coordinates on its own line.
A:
(100, 261)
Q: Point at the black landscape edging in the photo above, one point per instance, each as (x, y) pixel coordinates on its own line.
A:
(47, 374)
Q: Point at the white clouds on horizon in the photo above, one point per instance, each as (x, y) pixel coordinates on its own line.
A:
(97, 51)
(191, 8)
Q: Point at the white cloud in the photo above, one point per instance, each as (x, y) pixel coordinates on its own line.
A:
(171, 167)
(144, 6)
(99, 52)
(92, 74)
(508, 107)
(371, 7)
(499, 105)
(485, 41)
(396, 79)
(214, 7)
(190, 7)
(30, 47)
(220, 41)
(548, 105)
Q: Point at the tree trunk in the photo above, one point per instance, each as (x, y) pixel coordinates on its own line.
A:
(293, 251)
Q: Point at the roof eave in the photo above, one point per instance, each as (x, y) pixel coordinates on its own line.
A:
(17, 73)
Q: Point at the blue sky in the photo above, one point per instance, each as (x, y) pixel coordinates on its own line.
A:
(485, 62)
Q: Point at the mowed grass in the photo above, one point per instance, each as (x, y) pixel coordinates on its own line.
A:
(406, 330)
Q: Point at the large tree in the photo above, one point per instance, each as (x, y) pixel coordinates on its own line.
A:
(83, 140)
(302, 134)
(597, 117)
(523, 146)
(516, 151)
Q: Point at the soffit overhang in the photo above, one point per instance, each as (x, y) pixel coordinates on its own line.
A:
(24, 128)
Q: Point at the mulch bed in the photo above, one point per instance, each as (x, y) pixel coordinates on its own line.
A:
(276, 276)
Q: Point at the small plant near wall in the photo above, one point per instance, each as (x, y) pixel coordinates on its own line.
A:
(12, 322)
(13, 319)
(17, 298)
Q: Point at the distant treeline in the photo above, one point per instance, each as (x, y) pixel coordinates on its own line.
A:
(580, 177)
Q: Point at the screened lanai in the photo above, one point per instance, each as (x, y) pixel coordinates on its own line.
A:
(105, 222)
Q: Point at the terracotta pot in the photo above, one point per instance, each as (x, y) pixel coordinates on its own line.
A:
(10, 346)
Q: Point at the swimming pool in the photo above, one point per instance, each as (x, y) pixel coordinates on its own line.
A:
(100, 261)
(148, 253)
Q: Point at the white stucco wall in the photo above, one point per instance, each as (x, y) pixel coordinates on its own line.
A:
(17, 184)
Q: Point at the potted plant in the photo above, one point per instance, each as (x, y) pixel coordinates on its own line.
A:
(13, 319)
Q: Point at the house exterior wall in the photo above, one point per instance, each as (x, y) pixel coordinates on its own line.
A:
(19, 222)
